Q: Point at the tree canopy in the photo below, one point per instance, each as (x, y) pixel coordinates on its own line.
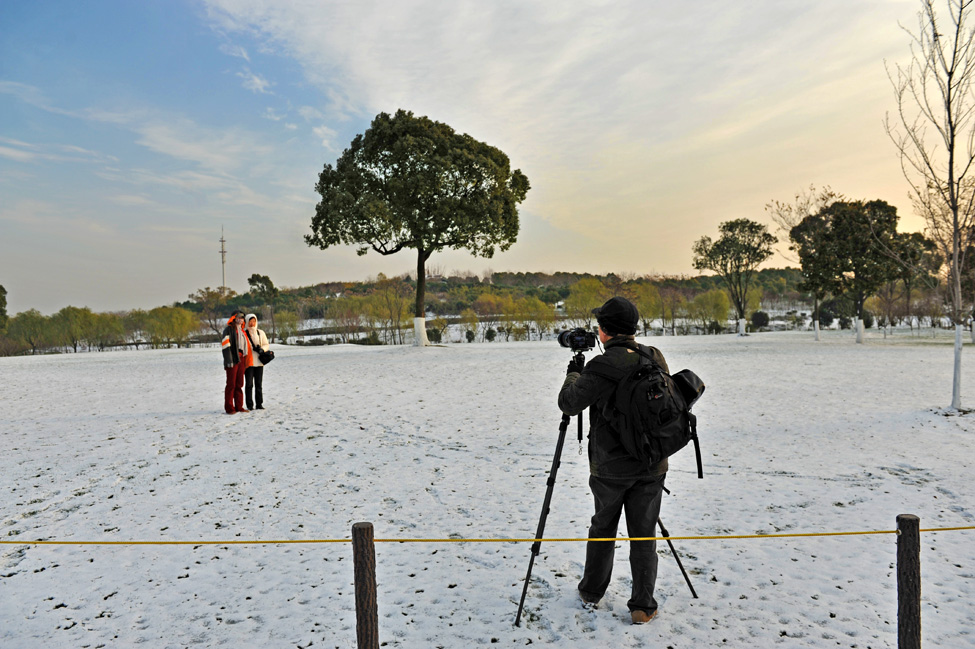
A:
(411, 182)
(735, 256)
(810, 241)
(859, 236)
(262, 287)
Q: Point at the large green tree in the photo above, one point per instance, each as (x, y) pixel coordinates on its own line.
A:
(810, 240)
(72, 325)
(735, 256)
(31, 328)
(848, 249)
(411, 182)
(860, 234)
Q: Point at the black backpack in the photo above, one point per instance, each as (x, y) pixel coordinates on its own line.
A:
(651, 410)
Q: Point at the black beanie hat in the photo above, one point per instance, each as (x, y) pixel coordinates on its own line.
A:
(618, 316)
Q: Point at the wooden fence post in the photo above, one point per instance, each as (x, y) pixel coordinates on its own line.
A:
(366, 608)
(908, 582)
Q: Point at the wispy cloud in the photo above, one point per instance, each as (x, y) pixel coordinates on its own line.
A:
(327, 136)
(26, 93)
(130, 200)
(255, 82)
(590, 98)
(17, 155)
(20, 151)
(221, 157)
(310, 113)
(231, 49)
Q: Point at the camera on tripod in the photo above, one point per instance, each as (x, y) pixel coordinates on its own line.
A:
(578, 340)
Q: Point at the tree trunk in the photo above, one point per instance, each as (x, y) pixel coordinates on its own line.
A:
(742, 324)
(816, 316)
(956, 385)
(860, 331)
(419, 313)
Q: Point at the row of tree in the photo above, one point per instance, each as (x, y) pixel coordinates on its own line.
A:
(77, 328)
(379, 310)
(846, 249)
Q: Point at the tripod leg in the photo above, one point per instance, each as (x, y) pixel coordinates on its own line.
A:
(537, 545)
(666, 534)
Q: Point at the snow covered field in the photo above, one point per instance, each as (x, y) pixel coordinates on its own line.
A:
(456, 441)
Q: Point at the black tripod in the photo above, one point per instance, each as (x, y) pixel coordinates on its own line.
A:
(537, 545)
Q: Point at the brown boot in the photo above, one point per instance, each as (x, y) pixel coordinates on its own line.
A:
(642, 617)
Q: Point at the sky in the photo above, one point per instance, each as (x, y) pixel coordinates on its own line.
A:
(133, 135)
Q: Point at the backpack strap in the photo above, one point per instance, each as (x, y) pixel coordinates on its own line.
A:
(253, 346)
(600, 366)
(649, 357)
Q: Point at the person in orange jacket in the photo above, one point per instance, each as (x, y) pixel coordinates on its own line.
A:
(237, 357)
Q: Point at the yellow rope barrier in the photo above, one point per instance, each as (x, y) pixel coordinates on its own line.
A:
(487, 540)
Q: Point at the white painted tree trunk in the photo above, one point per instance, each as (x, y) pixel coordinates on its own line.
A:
(956, 385)
(420, 332)
(860, 328)
(741, 327)
(816, 328)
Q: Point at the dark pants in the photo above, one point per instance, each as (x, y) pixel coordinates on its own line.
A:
(233, 394)
(254, 388)
(639, 498)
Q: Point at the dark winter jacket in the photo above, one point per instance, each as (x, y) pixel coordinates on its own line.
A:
(607, 456)
(231, 345)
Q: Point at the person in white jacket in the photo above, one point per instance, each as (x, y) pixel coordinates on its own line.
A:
(254, 376)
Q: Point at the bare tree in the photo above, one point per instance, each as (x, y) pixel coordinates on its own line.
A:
(934, 132)
(211, 303)
(805, 203)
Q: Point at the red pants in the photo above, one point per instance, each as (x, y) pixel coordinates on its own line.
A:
(233, 394)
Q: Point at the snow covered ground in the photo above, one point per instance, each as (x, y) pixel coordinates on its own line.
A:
(456, 441)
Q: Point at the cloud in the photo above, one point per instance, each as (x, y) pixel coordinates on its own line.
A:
(20, 151)
(45, 217)
(130, 200)
(310, 113)
(218, 150)
(560, 82)
(26, 93)
(235, 50)
(327, 136)
(229, 165)
(255, 82)
(17, 155)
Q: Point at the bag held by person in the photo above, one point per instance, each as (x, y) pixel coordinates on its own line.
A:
(651, 411)
(263, 355)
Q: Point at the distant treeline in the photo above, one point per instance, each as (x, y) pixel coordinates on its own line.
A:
(451, 295)
(501, 306)
(505, 304)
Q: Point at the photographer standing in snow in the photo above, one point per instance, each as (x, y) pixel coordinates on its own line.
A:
(619, 482)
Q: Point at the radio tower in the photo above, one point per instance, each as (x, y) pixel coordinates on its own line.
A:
(223, 262)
